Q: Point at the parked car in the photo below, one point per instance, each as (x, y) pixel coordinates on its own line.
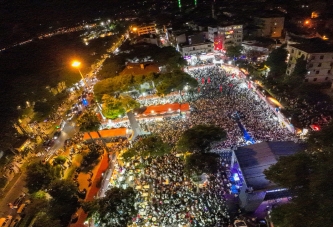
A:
(56, 135)
(16, 221)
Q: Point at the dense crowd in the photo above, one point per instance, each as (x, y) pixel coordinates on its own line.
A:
(165, 195)
(220, 97)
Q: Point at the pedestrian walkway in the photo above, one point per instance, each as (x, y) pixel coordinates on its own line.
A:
(92, 191)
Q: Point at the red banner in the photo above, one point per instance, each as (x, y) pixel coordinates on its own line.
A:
(208, 80)
(220, 88)
(198, 89)
(249, 85)
(203, 80)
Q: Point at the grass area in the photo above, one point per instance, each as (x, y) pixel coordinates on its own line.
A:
(76, 163)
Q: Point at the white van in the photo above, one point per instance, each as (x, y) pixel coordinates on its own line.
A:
(21, 209)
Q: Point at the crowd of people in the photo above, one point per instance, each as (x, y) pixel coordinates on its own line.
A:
(167, 197)
(220, 95)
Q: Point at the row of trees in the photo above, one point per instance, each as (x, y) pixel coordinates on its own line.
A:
(115, 104)
(65, 195)
(164, 83)
(306, 175)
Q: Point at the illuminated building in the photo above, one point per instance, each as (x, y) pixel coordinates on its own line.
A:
(319, 61)
(271, 26)
(146, 29)
(231, 35)
(194, 49)
(218, 42)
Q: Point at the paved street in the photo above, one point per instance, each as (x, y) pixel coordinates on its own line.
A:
(14, 193)
(70, 128)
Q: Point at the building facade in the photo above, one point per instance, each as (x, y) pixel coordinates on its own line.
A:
(319, 61)
(231, 35)
(271, 27)
(212, 31)
(146, 29)
(200, 48)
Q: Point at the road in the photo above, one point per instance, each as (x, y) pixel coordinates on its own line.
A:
(68, 131)
(10, 197)
(19, 185)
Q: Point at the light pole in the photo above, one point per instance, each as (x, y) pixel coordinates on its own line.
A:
(76, 64)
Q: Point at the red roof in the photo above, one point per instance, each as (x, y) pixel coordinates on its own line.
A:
(166, 108)
(113, 132)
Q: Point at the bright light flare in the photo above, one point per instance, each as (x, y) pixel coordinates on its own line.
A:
(276, 102)
(76, 64)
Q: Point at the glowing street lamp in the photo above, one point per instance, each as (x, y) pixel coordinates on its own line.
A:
(77, 64)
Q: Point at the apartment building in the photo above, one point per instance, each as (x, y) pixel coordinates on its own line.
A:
(319, 61)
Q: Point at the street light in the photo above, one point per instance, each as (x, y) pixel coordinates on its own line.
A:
(76, 64)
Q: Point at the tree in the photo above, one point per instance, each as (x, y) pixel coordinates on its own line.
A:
(111, 68)
(42, 107)
(199, 138)
(276, 61)
(200, 163)
(64, 201)
(305, 175)
(175, 80)
(234, 51)
(151, 146)
(39, 176)
(89, 121)
(298, 75)
(63, 190)
(115, 106)
(59, 160)
(321, 139)
(44, 219)
(117, 207)
(296, 176)
(95, 152)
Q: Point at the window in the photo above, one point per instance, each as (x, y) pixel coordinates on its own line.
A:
(292, 51)
(331, 64)
(326, 78)
(193, 48)
(321, 57)
(329, 71)
(208, 45)
(319, 65)
(299, 52)
(317, 72)
(314, 79)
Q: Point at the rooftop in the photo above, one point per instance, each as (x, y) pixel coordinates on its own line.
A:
(255, 158)
(314, 48)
